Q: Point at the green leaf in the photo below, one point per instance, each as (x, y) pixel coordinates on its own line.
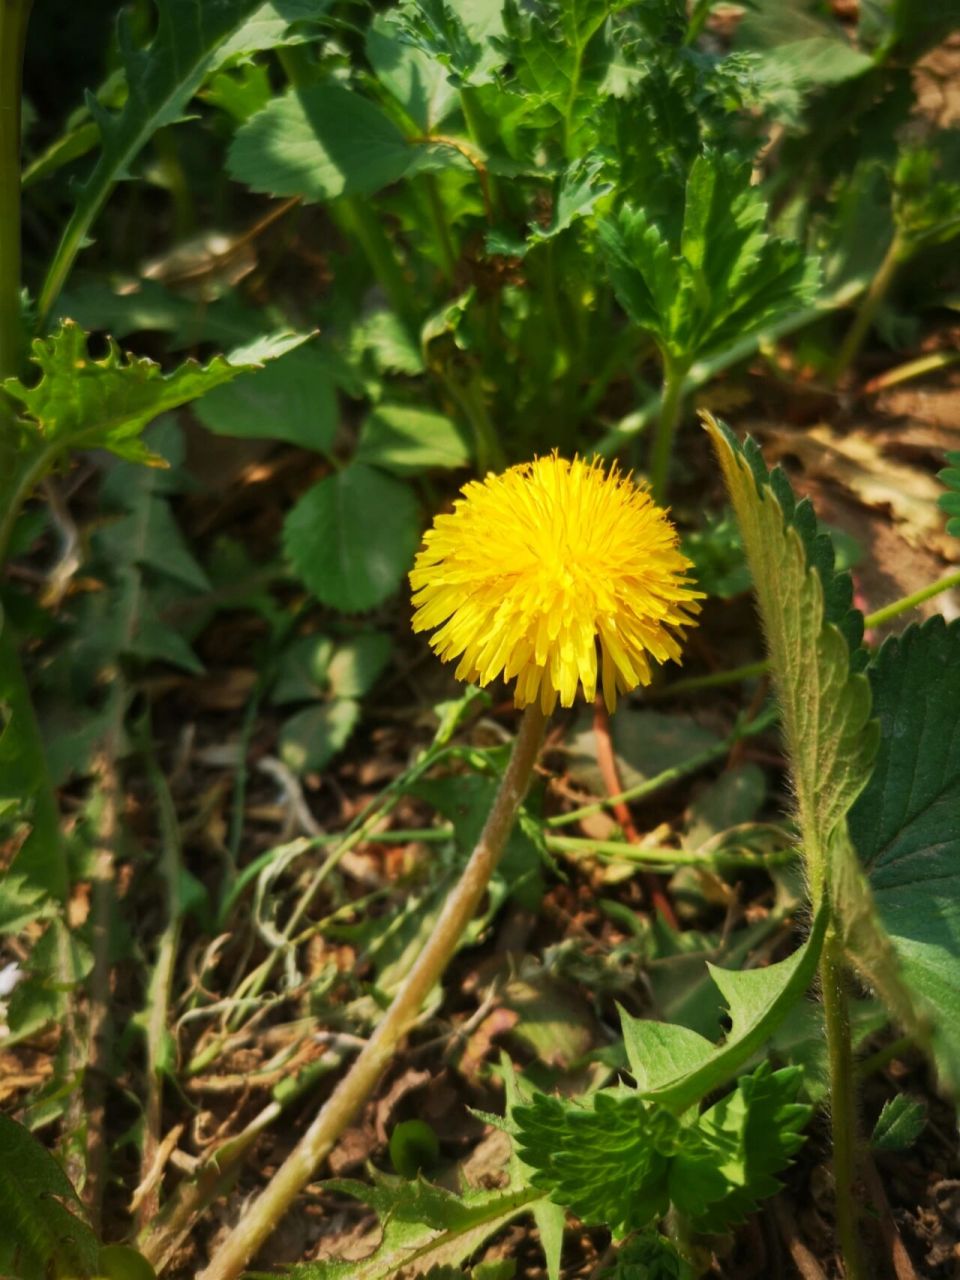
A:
(351, 538)
(579, 190)
(318, 143)
(278, 22)
(409, 441)
(161, 80)
(292, 398)
(810, 631)
(82, 403)
(715, 277)
(745, 1140)
(677, 1067)
(302, 670)
(423, 1226)
(649, 1256)
(606, 1158)
(43, 1230)
(460, 37)
(309, 739)
(413, 1147)
(950, 502)
(358, 664)
(119, 1262)
(899, 1124)
(419, 82)
(904, 825)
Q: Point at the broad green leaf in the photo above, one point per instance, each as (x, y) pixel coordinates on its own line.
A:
(302, 670)
(810, 632)
(407, 440)
(351, 538)
(292, 398)
(161, 80)
(713, 278)
(906, 829)
(677, 1067)
(950, 501)
(43, 1230)
(120, 1262)
(461, 37)
(419, 82)
(899, 1124)
(318, 143)
(310, 738)
(423, 1225)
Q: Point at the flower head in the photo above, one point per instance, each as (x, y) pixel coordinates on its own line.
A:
(538, 568)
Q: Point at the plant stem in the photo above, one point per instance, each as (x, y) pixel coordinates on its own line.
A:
(353, 1090)
(843, 1105)
(905, 603)
(869, 305)
(358, 220)
(13, 32)
(674, 375)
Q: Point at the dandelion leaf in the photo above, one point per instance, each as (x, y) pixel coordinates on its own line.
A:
(423, 1225)
(677, 1067)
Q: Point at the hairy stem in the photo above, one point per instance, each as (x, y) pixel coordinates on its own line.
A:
(353, 1090)
(843, 1106)
(869, 305)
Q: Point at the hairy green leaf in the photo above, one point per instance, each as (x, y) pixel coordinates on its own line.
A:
(810, 630)
(905, 829)
(43, 1231)
(161, 80)
(352, 537)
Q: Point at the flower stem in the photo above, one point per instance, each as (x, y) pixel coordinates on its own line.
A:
(353, 1090)
(869, 306)
(843, 1106)
(674, 375)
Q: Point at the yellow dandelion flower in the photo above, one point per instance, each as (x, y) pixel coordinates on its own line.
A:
(538, 568)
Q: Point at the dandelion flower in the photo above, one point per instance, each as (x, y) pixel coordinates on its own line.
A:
(550, 574)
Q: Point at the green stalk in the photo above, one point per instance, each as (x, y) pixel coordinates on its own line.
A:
(843, 1106)
(14, 15)
(674, 376)
(358, 220)
(264, 1214)
(869, 305)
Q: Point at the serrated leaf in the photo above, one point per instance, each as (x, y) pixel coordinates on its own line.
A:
(161, 80)
(418, 81)
(716, 276)
(899, 1124)
(310, 738)
(950, 501)
(43, 1228)
(745, 1140)
(460, 37)
(677, 1067)
(825, 707)
(408, 441)
(351, 538)
(905, 828)
(423, 1226)
(83, 403)
(606, 1157)
(318, 143)
(292, 398)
